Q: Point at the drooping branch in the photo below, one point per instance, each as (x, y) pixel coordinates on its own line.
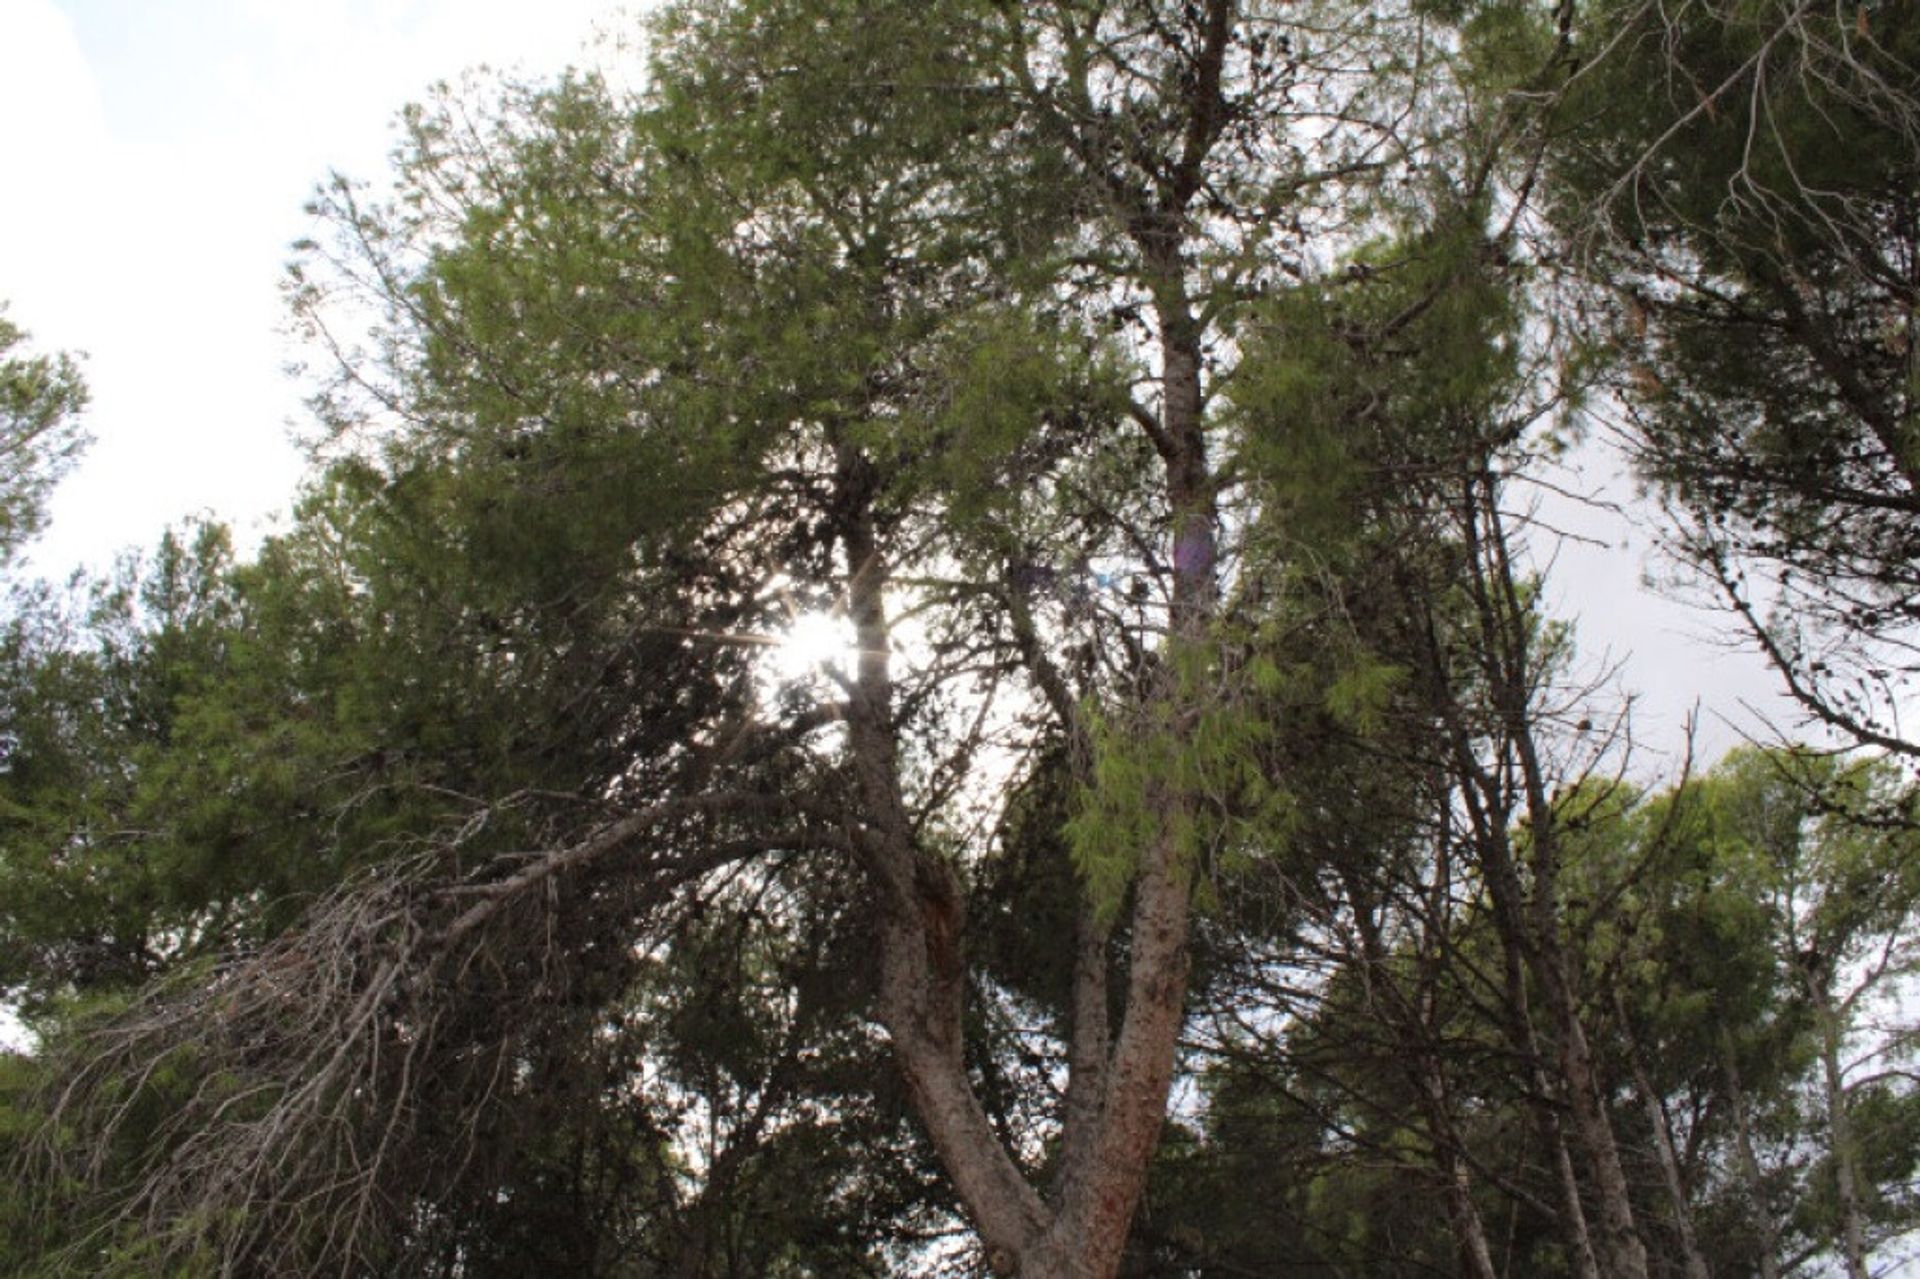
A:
(309, 1089)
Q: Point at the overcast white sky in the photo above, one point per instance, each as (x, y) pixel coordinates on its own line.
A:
(154, 161)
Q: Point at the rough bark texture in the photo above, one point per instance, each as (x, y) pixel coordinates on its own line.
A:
(1618, 1247)
(921, 913)
(1113, 1142)
(1118, 1090)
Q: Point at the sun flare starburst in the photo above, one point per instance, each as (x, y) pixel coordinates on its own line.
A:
(812, 643)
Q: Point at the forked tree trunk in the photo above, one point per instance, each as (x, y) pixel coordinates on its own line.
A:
(1111, 1144)
(1120, 1077)
(1118, 1092)
(922, 912)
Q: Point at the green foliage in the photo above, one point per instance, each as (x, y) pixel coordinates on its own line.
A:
(857, 294)
(1360, 696)
(41, 397)
(1222, 753)
(1745, 216)
(1765, 919)
(1378, 376)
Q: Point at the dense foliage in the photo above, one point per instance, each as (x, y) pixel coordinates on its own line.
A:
(1200, 857)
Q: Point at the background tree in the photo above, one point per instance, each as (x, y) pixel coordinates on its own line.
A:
(1753, 220)
(41, 397)
(1840, 905)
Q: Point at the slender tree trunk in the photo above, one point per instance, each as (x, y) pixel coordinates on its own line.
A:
(1619, 1249)
(1476, 1258)
(1757, 1214)
(1504, 620)
(1490, 814)
(1586, 1261)
(1089, 1042)
(1504, 886)
(1469, 1233)
(1579, 1234)
(1691, 1257)
(1416, 1035)
(1853, 1234)
(921, 916)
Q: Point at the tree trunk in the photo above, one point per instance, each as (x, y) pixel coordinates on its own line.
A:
(1619, 1249)
(1696, 1264)
(1415, 1034)
(1117, 1094)
(1510, 668)
(1586, 1261)
(1469, 1233)
(921, 916)
(1119, 1079)
(1088, 1236)
(1504, 887)
(1757, 1213)
(1490, 817)
(1853, 1234)
(1101, 1189)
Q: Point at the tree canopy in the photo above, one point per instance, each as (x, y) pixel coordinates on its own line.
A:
(1203, 856)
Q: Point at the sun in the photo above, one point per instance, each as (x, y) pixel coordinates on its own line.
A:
(814, 643)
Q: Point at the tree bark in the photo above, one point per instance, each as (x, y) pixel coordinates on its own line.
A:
(1116, 1139)
(1119, 1079)
(1463, 1216)
(921, 915)
(1620, 1251)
